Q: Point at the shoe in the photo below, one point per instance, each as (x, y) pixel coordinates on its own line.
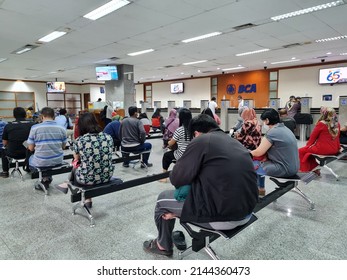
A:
(152, 247)
(125, 164)
(262, 191)
(88, 204)
(179, 240)
(317, 171)
(144, 165)
(4, 174)
(62, 187)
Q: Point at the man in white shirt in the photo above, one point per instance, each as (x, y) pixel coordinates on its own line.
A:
(213, 105)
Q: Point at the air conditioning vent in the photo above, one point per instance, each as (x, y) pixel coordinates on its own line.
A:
(244, 26)
(291, 45)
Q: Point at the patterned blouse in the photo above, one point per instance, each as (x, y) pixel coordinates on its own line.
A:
(250, 135)
(95, 151)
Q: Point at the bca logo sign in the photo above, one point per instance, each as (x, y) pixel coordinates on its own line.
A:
(231, 88)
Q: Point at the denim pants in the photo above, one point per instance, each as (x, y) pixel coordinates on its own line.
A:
(137, 149)
(258, 166)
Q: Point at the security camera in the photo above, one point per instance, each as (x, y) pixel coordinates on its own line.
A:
(322, 60)
(265, 67)
(223, 72)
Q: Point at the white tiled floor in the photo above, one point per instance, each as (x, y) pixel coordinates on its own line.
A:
(37, 227)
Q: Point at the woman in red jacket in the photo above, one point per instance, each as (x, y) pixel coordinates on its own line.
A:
(324, 140)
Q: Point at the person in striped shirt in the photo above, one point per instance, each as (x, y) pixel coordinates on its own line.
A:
(47, 140)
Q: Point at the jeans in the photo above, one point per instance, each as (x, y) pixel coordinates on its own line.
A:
(137, 149)
(258, 166)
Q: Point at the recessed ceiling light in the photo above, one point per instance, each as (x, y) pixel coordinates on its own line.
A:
(52, 36)
(285, 61)
(308, 10)
(194, 62)
(201, 37)
(24, 49)
(106, 9)
(141, 52)
(234, 68)
(2, 59)
(252, 52)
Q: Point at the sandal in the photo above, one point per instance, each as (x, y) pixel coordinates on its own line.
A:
(152, 247)
(179, 240)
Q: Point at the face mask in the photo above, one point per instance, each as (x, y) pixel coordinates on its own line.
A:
(239, 100)
(265, 127)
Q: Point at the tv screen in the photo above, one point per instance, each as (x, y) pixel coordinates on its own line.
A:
(333, 75)
(106, 73)
(177, 88)
(55, 86)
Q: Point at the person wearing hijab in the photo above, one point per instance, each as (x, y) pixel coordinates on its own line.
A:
(250, 134)
(324, 140)
(171, 124)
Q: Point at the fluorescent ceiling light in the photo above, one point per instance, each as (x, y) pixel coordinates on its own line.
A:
(285, 61)
(234, 68)
(309, 10)
(194, 62)
(106, 9)
(201, 37)
(2, 59)
(52, 36)
(331, 39)
(253, 52)
(140, 52)
(23, 50)
(343, 53)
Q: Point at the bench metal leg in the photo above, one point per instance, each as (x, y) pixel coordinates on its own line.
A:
(18, 171)
(208, 249)
(299, 192)
(332, 172)
(86, 209)
(185, 253)
(40, 185)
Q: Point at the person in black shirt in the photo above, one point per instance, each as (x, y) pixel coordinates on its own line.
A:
(287, 121)
(15, 133)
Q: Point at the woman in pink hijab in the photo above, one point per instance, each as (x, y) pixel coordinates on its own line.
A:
(171, 124)
(250, 134)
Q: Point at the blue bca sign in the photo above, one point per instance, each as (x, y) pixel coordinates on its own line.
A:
(249, 88)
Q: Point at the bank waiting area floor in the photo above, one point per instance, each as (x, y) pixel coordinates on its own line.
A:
(38, 227)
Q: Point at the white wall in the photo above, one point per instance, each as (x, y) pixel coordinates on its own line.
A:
(194, 90)
(304, 82)
(139, 94)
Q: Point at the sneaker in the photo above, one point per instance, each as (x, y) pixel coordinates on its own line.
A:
(62, 187)
(125, 164)
(152, 247)
(146, 165)
(4, 174)
(88, 204)
(179, 240)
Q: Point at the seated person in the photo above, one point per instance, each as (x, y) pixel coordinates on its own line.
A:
(278, 148)
(209, 112)
(63, 120)
(250, 134)
(286, 120)
(343, 134)
(2, 126)
(93, 154)
(157, 120)
(13, 136)
(223, 183)
(181, 138)
(238, 124)
(47, 140)
(171, 124)
(146, 122)
(295, 108)
(133, 137)
(112, 129)
(324, 140)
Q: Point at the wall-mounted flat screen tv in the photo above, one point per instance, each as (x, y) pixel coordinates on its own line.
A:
(55, 86)
(177, 88)
(333, 75)
(106, 73)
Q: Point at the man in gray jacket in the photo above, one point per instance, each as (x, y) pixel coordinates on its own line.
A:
(223, 183)
(133, 136)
